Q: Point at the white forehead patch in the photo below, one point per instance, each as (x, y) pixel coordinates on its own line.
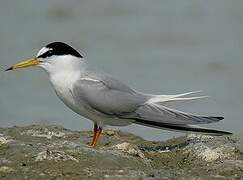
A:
(43, 50)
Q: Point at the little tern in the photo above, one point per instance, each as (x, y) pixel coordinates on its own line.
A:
(107, 101)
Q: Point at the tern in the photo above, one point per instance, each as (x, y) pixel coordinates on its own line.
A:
(107, 101)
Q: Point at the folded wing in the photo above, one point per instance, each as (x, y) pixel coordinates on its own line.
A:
(114, 98)
(105, 96)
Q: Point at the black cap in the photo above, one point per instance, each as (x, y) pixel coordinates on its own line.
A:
(59, 48)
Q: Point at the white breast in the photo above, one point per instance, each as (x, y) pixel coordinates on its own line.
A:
(62, 83)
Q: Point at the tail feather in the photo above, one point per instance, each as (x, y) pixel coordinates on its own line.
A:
(178, 97)
(184, 94)
(154, 113)
(186, 98)
(185, 128)
(155, 110)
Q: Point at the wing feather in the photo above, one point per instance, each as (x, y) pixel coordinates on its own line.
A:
(114, 99)
(109, 96)
(162, 114)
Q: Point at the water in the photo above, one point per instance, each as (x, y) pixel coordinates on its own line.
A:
(161, 47)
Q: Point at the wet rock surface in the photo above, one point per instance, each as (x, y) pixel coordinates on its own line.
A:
(53, 152)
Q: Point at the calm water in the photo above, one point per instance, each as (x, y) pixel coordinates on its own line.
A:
(160, 47)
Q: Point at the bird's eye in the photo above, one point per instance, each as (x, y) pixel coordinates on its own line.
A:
(49, 52)
(46, 54)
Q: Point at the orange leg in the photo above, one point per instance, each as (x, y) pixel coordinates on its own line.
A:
(96, 136)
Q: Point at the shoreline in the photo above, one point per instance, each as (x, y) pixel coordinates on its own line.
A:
(50, 152)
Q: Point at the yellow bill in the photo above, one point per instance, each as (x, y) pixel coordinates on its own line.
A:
(25, 64)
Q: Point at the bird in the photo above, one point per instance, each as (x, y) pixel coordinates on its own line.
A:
(105, 100)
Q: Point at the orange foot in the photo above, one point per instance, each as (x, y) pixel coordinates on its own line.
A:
(96, 136)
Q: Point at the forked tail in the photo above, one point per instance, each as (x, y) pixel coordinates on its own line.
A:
(154, 113)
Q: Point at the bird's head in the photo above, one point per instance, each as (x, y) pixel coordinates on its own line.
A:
(56, 56)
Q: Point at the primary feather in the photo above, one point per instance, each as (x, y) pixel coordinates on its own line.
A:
(185, 128)
(158, 113)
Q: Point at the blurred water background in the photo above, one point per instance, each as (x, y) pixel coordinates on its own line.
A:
(161, 47)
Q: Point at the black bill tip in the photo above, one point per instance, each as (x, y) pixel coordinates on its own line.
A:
(9, 69)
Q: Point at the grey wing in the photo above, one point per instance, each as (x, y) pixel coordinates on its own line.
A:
(108, 95)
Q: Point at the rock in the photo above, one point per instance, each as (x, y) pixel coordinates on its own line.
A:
(109, 132)
(53, 152)
(3, 141)
(6, 169)
(130, 149)
(42, 132)
(54, 155)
